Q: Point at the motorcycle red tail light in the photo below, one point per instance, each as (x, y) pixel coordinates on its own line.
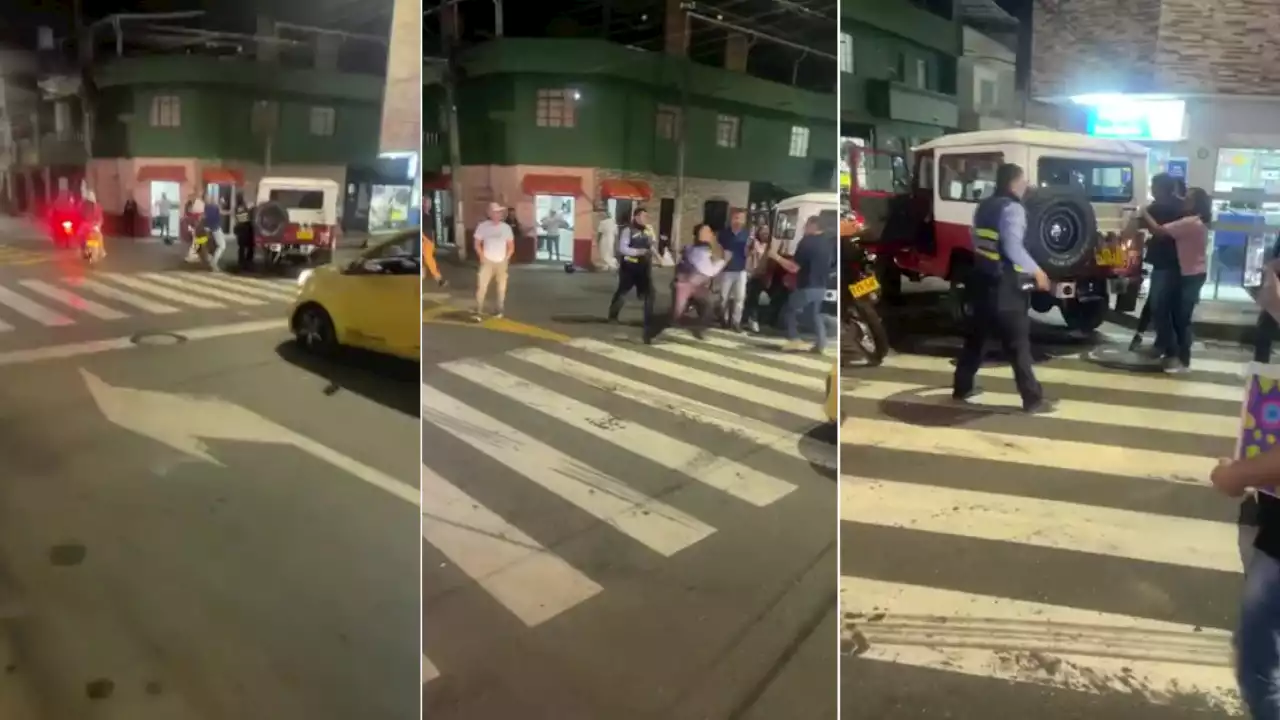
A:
(66, 225)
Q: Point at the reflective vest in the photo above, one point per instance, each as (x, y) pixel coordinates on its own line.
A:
(990, 259)
(639, 240)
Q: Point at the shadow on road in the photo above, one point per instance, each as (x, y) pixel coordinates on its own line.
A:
(386, 380)
(814, 445)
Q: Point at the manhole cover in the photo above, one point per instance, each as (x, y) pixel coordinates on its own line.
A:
(1123, 358)
(159, 338)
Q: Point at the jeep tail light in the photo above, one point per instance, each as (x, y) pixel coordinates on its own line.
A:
(322, 237)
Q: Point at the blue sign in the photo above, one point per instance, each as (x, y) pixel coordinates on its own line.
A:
(1177, 167)
(1160, 120)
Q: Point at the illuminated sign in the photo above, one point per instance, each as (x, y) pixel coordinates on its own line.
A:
(1131, 119)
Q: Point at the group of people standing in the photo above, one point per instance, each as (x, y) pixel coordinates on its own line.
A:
(205, 219)
(1177, 222)
(750, 265)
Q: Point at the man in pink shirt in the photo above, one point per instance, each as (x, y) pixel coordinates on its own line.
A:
(1190, 236)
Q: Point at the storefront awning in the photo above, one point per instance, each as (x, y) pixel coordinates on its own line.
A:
(626, 189)
(569, 185)
(222, 176)
(163, 173)
(437, 181)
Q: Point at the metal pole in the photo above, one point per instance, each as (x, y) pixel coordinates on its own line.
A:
(497, 18)
(677, 215)
(84, 57)
(447, 27)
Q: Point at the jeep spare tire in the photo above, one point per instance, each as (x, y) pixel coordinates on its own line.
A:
(270, 219)
(1062, 230)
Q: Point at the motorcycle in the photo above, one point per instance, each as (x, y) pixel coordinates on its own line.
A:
(862, 332)
(63, 232)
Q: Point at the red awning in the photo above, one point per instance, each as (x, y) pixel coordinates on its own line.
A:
(169, 173)
(570, 185)
(626, 189)
(222, 176)
(437, 181)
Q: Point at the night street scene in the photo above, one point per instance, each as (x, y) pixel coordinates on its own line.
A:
(201, 516)
(625, 516)
(1070, 543)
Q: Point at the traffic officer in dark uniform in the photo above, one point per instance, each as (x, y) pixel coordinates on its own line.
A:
(636, 245)
(243, 229)
(998, 289)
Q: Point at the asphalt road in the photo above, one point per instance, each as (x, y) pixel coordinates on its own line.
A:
(1069, 566)
(203, 525)
(620, 531)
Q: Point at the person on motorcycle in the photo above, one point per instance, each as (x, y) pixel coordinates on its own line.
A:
(694, 273)
(90, 224)
(998, 289)
(64, 209)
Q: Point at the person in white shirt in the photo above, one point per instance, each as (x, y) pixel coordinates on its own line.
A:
(607, 240)
(551, 226)
(495, 244)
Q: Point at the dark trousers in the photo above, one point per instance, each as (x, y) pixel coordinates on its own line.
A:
(1183, 310)
(1264, 337)
(1001, 306)
(751, 303)
(1164, 300)
(244, 254)
(636, 276)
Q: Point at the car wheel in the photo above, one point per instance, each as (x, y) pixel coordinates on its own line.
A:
(313, 329)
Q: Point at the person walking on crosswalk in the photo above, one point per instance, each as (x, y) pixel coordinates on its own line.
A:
(495, 244)
(997, 289)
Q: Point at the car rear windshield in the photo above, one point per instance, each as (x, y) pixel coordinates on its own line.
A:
(298, 199)
(1105, 181)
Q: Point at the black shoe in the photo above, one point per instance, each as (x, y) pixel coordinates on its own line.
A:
(1135, 344)
(699, 333)
(965, 396)
(1043, 406)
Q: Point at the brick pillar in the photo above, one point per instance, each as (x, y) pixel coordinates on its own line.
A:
(736, 48)
(676, 29)
(402, 94)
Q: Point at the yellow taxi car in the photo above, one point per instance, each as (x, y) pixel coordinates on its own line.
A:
(373, 303)
(833, 394)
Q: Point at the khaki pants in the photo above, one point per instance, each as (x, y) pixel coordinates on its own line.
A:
(495, 272)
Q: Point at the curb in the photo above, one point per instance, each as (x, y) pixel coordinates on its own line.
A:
(1243, 334)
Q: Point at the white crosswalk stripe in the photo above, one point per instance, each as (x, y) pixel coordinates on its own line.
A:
(1042, 493)
(73, 301)
(568, 429)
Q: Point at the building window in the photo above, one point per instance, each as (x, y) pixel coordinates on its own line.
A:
(968, 177)
(431, 139)
(846, 53)
(668, 120)
(1104, 181)
(555, 109)
(922, 73)
(322, 121)
(728, 129)
(264, 117)
(900, 68)
(799, 142)
(166, 111)
(985, 88)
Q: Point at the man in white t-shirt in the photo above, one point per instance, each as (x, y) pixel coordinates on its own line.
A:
(495, 244)
(607, 241)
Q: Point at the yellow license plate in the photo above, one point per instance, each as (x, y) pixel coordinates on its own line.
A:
(1111, 257)
(865, 287)
(305, 234)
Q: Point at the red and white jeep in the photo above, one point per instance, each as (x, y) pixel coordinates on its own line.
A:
(1083, 192)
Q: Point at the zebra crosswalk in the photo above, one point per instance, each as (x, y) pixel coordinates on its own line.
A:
(1082, 550)
(106, 297)
(661, 446)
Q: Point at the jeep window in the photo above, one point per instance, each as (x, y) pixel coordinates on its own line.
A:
(298, 199)
(924, 171)
(1105, 181)
(784, 225)
(969, 177)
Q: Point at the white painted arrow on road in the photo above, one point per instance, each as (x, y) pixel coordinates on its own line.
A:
(184, 422)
